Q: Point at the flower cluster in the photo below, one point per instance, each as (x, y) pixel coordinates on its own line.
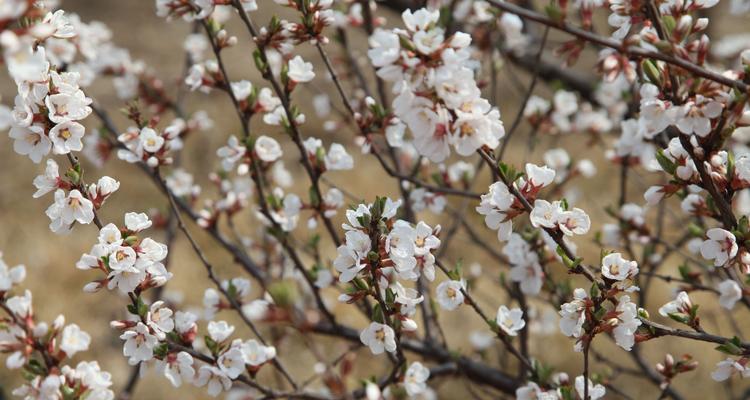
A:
(151, 146)
(379, 252)
(502, 204)
(561, 388)
(397, 248)
(148, 335)
(42, 349)
(128, 261)
(437, 96)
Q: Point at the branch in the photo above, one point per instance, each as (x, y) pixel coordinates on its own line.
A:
(632, 51)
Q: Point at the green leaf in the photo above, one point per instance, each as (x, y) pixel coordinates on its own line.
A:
(733, 347)
(259, 63)
(445, 17)
(360, 284)
(594, 291)
(283, 293)
(564, 204)
(390, 297)
(669, 22)
(695, 230)
(554, 12)
(567, 393)
(680, 317)
(314, 198)
(743, 225)
(377, 314)
(652, 71)
(161, 350)
(684, 272)
(232, 290)
(35, 367)
(211, 344)
(666, 164)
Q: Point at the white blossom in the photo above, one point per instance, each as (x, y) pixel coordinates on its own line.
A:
(729, 293)
(721, 246)
(74, 340)
(379, 338)
(416, 378)
(510, 321)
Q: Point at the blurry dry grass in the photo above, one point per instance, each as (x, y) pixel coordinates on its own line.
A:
(56, 284)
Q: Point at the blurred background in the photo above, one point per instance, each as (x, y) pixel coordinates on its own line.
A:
(56, 284)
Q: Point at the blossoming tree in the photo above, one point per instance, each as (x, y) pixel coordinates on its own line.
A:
(422, 106)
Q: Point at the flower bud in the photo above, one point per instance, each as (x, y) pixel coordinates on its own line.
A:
(40, 330)
(685, 23)
(92, 287)
(700, 24)
(58, 322)
(121, 324)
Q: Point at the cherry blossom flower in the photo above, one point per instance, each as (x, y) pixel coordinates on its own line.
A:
(337, 159)
(267, 149)
(655, 114)
(66, 137)
(231, 362)
(595, 391)
(695, 116)
(184, 322)
(627, 323)
(496, 207)
(348, 262)
(177, 368)
(379, 338)
(545, 214)
(416, 378)
(300, 71)
(725, 369)
(214, 379)
(219, 331)
(574, 222)
(160, 319)
(729, 293)
(255, 354)
(136, 222)
(30, 141)
(510, 321)
(681, 304)
(10, 277)
(74, 340)
(532, 391)
(615, 267)
(139, 344)
(450, 295)
(68, 209)
(423, 199)
(234, 151)
(539, 177)
(525, 265)
(721, 246)
(384, 48)
(573, 315)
